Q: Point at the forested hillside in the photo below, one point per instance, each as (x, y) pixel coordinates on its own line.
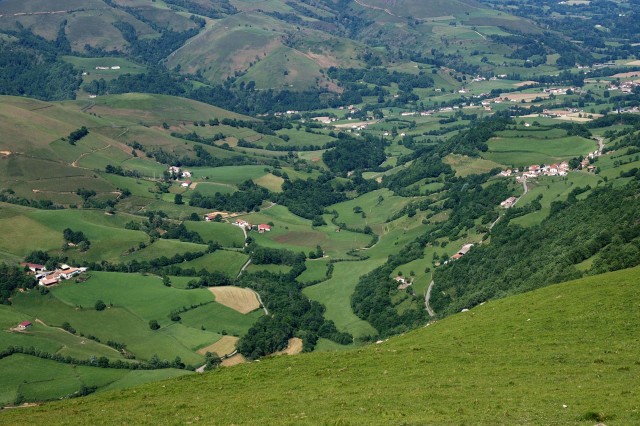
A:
(601, 229)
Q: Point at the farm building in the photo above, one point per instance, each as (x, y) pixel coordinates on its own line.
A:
(185, 184)
(400, 279)
(508, 202)
(48, 281)
(262, 228)
(65, 272)
(34, 267)
(465, 249)
(24, 325)
(210, 217)
(243, 224)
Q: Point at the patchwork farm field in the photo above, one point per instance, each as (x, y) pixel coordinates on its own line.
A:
(132, 302)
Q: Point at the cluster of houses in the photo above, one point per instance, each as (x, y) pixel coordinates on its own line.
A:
(50, 278)
(262, 228)
(181, 174)
(625, 87)
(535, 170)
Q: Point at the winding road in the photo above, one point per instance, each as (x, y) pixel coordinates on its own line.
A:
(427, 296)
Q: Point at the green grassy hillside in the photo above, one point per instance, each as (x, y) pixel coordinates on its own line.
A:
(565, 354)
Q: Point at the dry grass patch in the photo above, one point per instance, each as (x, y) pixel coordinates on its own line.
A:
(234, 360)
(527, 97)
(294, 347)
(525, 83)
(224, 346)
(626, 74)
(271, 182)
(240, 299)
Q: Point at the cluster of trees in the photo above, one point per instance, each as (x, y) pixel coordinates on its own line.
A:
(475, 139)
(118, 170)
(11, 279)
(266, 255)
(350, 154)
(603, 227)
(249, 197)
(76, 238)
(174, 231)
(77, 134)
(308, 198)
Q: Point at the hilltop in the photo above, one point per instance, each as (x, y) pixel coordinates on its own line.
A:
(566, 354)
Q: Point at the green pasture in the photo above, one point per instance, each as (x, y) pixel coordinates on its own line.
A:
(223, 233)
(229, 175)
(220, 319)
(167, 248)
(47, 380)
(228, 262)
(275, 269)
(371, 209)
(465, 166)
(528, 150)
(335, 295)
(316, 270)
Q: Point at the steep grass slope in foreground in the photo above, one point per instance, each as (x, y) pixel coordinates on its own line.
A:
(565, 354)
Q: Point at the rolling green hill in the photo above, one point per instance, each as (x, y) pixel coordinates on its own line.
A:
(566, 354)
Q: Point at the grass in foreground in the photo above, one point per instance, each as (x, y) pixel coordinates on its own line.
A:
(565, 354)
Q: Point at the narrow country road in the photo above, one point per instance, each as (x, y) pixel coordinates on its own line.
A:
(427, 296)
(600, 140)
(266, 312)
(245, 266)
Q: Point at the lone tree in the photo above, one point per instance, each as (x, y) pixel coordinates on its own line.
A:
(153, 324)
(100, 305)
